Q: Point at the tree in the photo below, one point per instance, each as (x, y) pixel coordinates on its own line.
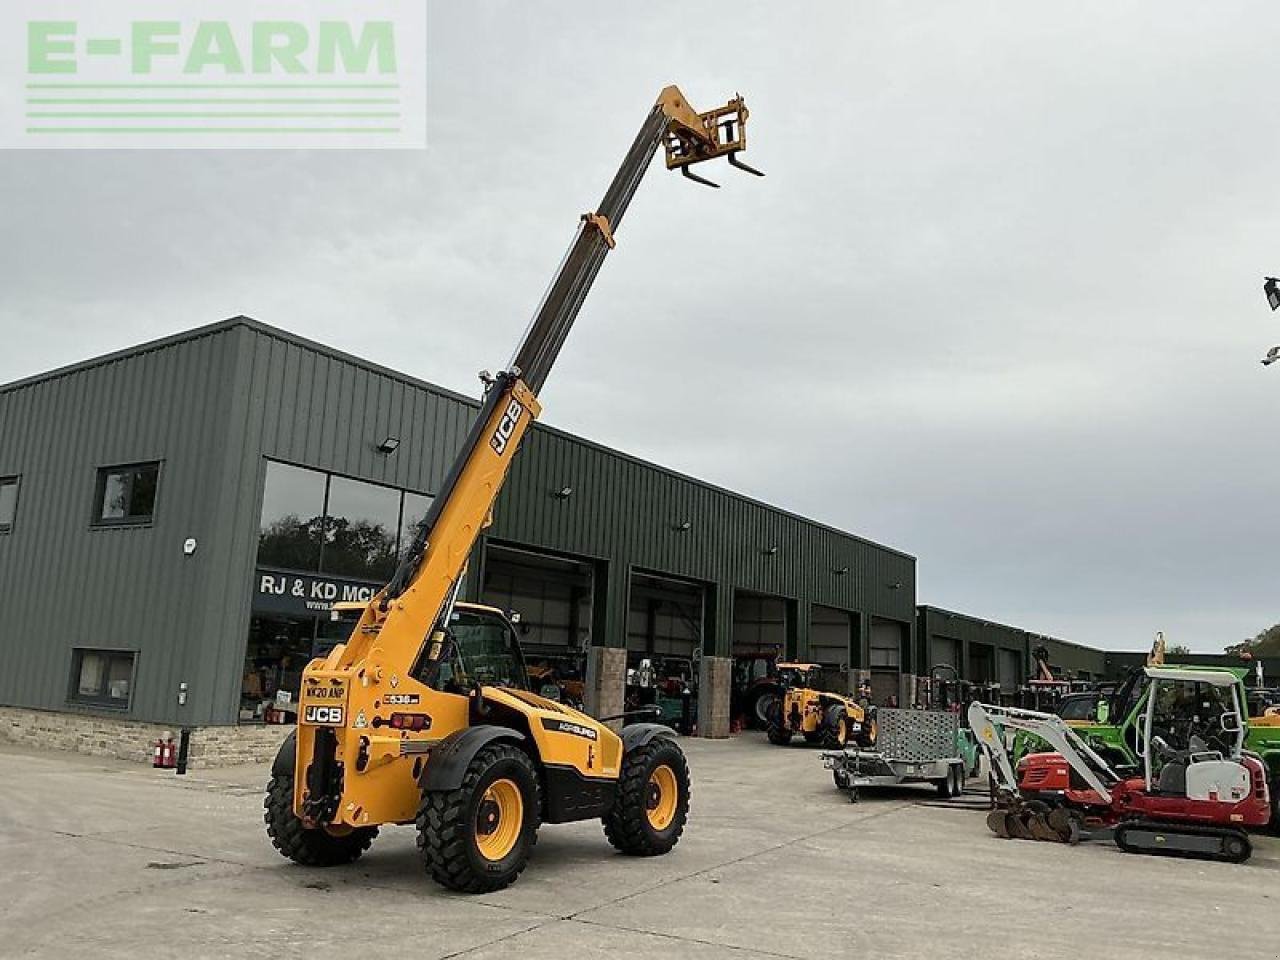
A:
(1177, 650)
(1265, 644)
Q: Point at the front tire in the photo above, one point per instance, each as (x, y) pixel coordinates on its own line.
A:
(652, 800)
(835, 729)
(477, 838)
(309, 847)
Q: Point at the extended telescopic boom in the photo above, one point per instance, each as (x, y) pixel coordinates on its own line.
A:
(421, 593)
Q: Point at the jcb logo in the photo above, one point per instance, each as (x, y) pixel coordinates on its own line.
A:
(506, 427)
(322, 716)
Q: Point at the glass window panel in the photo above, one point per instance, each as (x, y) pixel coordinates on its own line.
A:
(360, 531)
(292, 518)
(119, 673)
(92, 667)
(415, 508)
(142, 490)
(8, 501)
(115, 497)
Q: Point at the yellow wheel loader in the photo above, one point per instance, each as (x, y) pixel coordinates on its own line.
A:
(424, 716)
(818, 715)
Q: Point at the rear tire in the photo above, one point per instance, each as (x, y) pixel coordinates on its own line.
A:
(477, 838)
(762, 707)
(947, 785)
(778, 735)
(314, 847)
(652, 800)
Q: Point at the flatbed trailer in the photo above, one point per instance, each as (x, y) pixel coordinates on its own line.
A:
(912, 746)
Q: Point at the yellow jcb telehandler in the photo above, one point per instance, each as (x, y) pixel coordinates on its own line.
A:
(424, 716)
(820, 716)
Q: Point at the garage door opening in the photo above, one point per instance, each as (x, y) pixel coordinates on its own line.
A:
(887, 641)
(552, 596)
(830, 644)
(665, 631)
(759, 640)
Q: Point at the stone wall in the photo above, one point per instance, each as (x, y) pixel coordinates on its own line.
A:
(714, 685)
(104, 736)
(606, 682)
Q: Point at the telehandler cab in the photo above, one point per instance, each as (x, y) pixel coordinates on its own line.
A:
(424, 715)
(818, 715)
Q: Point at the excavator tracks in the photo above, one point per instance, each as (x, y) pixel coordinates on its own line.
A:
(1221, 844)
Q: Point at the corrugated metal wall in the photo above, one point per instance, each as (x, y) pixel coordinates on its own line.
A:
(630, 512)
(939, 631)
(214, 403)
(64, 584)
(1072, 657)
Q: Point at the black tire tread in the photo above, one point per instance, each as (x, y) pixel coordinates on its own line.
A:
(311, 848)
(625, 825)
(443, 835)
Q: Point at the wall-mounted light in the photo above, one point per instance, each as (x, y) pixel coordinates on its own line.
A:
(1272, 289)
(681, 526)
(769, 551)
(840, 571)
(896, 585)
(388, 446)
(564, 493)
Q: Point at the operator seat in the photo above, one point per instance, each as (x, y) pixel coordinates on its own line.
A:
(1173, 775)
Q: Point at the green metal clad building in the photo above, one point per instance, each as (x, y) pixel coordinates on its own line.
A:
(988, 653)
(177, 520)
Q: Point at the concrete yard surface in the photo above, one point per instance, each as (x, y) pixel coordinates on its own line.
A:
(100, 859)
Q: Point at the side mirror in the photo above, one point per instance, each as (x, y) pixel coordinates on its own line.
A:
(1230, 721)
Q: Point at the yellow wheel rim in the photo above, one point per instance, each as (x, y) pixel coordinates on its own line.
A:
(662, 797)
(499, 820)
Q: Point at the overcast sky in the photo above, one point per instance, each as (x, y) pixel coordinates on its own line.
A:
(998, 302)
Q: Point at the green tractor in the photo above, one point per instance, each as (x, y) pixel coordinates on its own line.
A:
(1114, 729)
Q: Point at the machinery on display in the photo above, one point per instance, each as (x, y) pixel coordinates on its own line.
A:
(424, 715)
(911, 746)
(818, 715)
(1113, 727)
(1194, 794)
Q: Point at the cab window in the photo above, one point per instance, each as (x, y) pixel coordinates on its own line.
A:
(481, 649)
(1079, 708)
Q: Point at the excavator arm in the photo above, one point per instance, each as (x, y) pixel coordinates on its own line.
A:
(986, 720)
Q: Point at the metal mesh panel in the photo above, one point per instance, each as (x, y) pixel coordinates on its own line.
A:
(916, 735)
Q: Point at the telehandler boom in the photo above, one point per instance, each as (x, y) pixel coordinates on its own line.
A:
(424, 716)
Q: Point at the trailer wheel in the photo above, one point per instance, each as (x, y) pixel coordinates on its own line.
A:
(477, 838)
(311, 848)
(652, 803)
(949, 786)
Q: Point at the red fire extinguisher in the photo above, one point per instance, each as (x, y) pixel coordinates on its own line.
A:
(157, 753)
(170, 755)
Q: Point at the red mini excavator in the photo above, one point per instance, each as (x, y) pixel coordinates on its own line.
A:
(1194, 795)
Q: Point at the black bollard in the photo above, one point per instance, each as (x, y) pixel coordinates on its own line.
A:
(184, 747)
